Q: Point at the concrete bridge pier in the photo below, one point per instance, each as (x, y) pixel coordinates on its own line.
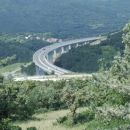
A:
(66, 49)
(39, 71)
(69, 47)
(77, 45)
(83, 44)
(86, 43)
(50, 57)
(62, 50)
(55, 56)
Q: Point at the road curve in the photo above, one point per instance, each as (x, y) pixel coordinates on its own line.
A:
(40, 56)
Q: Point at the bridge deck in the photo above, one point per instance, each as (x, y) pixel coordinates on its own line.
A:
(40, 56)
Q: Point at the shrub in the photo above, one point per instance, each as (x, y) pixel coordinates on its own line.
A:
(32, 128)
(66, 120)
(79, 118)
(128, 128)
(85, 117)
(62, 119)
(6, 125)
(16, 128)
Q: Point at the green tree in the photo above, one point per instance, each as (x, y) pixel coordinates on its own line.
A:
(74, 95)
(126, 41)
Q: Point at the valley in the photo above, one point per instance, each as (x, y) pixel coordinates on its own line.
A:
(64, 65)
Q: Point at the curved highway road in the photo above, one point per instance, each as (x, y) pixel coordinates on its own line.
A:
(40, 58)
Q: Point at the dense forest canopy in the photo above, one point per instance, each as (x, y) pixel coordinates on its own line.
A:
(65, 18)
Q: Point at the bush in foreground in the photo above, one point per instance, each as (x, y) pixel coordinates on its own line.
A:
(32, 128)
(81, 118)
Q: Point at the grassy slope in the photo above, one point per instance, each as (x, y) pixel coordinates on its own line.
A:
(47, 121)
(16, 44)
(13, 68)
(10, 68)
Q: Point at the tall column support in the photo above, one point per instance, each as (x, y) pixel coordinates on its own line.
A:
(54, 56)
(85, 43)
(62, 50)
(69, 47)
(39, 71)
(77, 45)
(50, 58)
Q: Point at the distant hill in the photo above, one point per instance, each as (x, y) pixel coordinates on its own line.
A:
(65, 18)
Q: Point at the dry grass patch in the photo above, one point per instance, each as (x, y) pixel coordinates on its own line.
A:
(48, 121)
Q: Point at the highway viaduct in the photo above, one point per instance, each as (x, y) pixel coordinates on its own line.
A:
(45, 57)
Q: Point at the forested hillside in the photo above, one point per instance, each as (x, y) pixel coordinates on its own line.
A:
(17, 46)
(23, 52)
(65, 18)
(92, 58)
(104, 99)
(16, 51)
